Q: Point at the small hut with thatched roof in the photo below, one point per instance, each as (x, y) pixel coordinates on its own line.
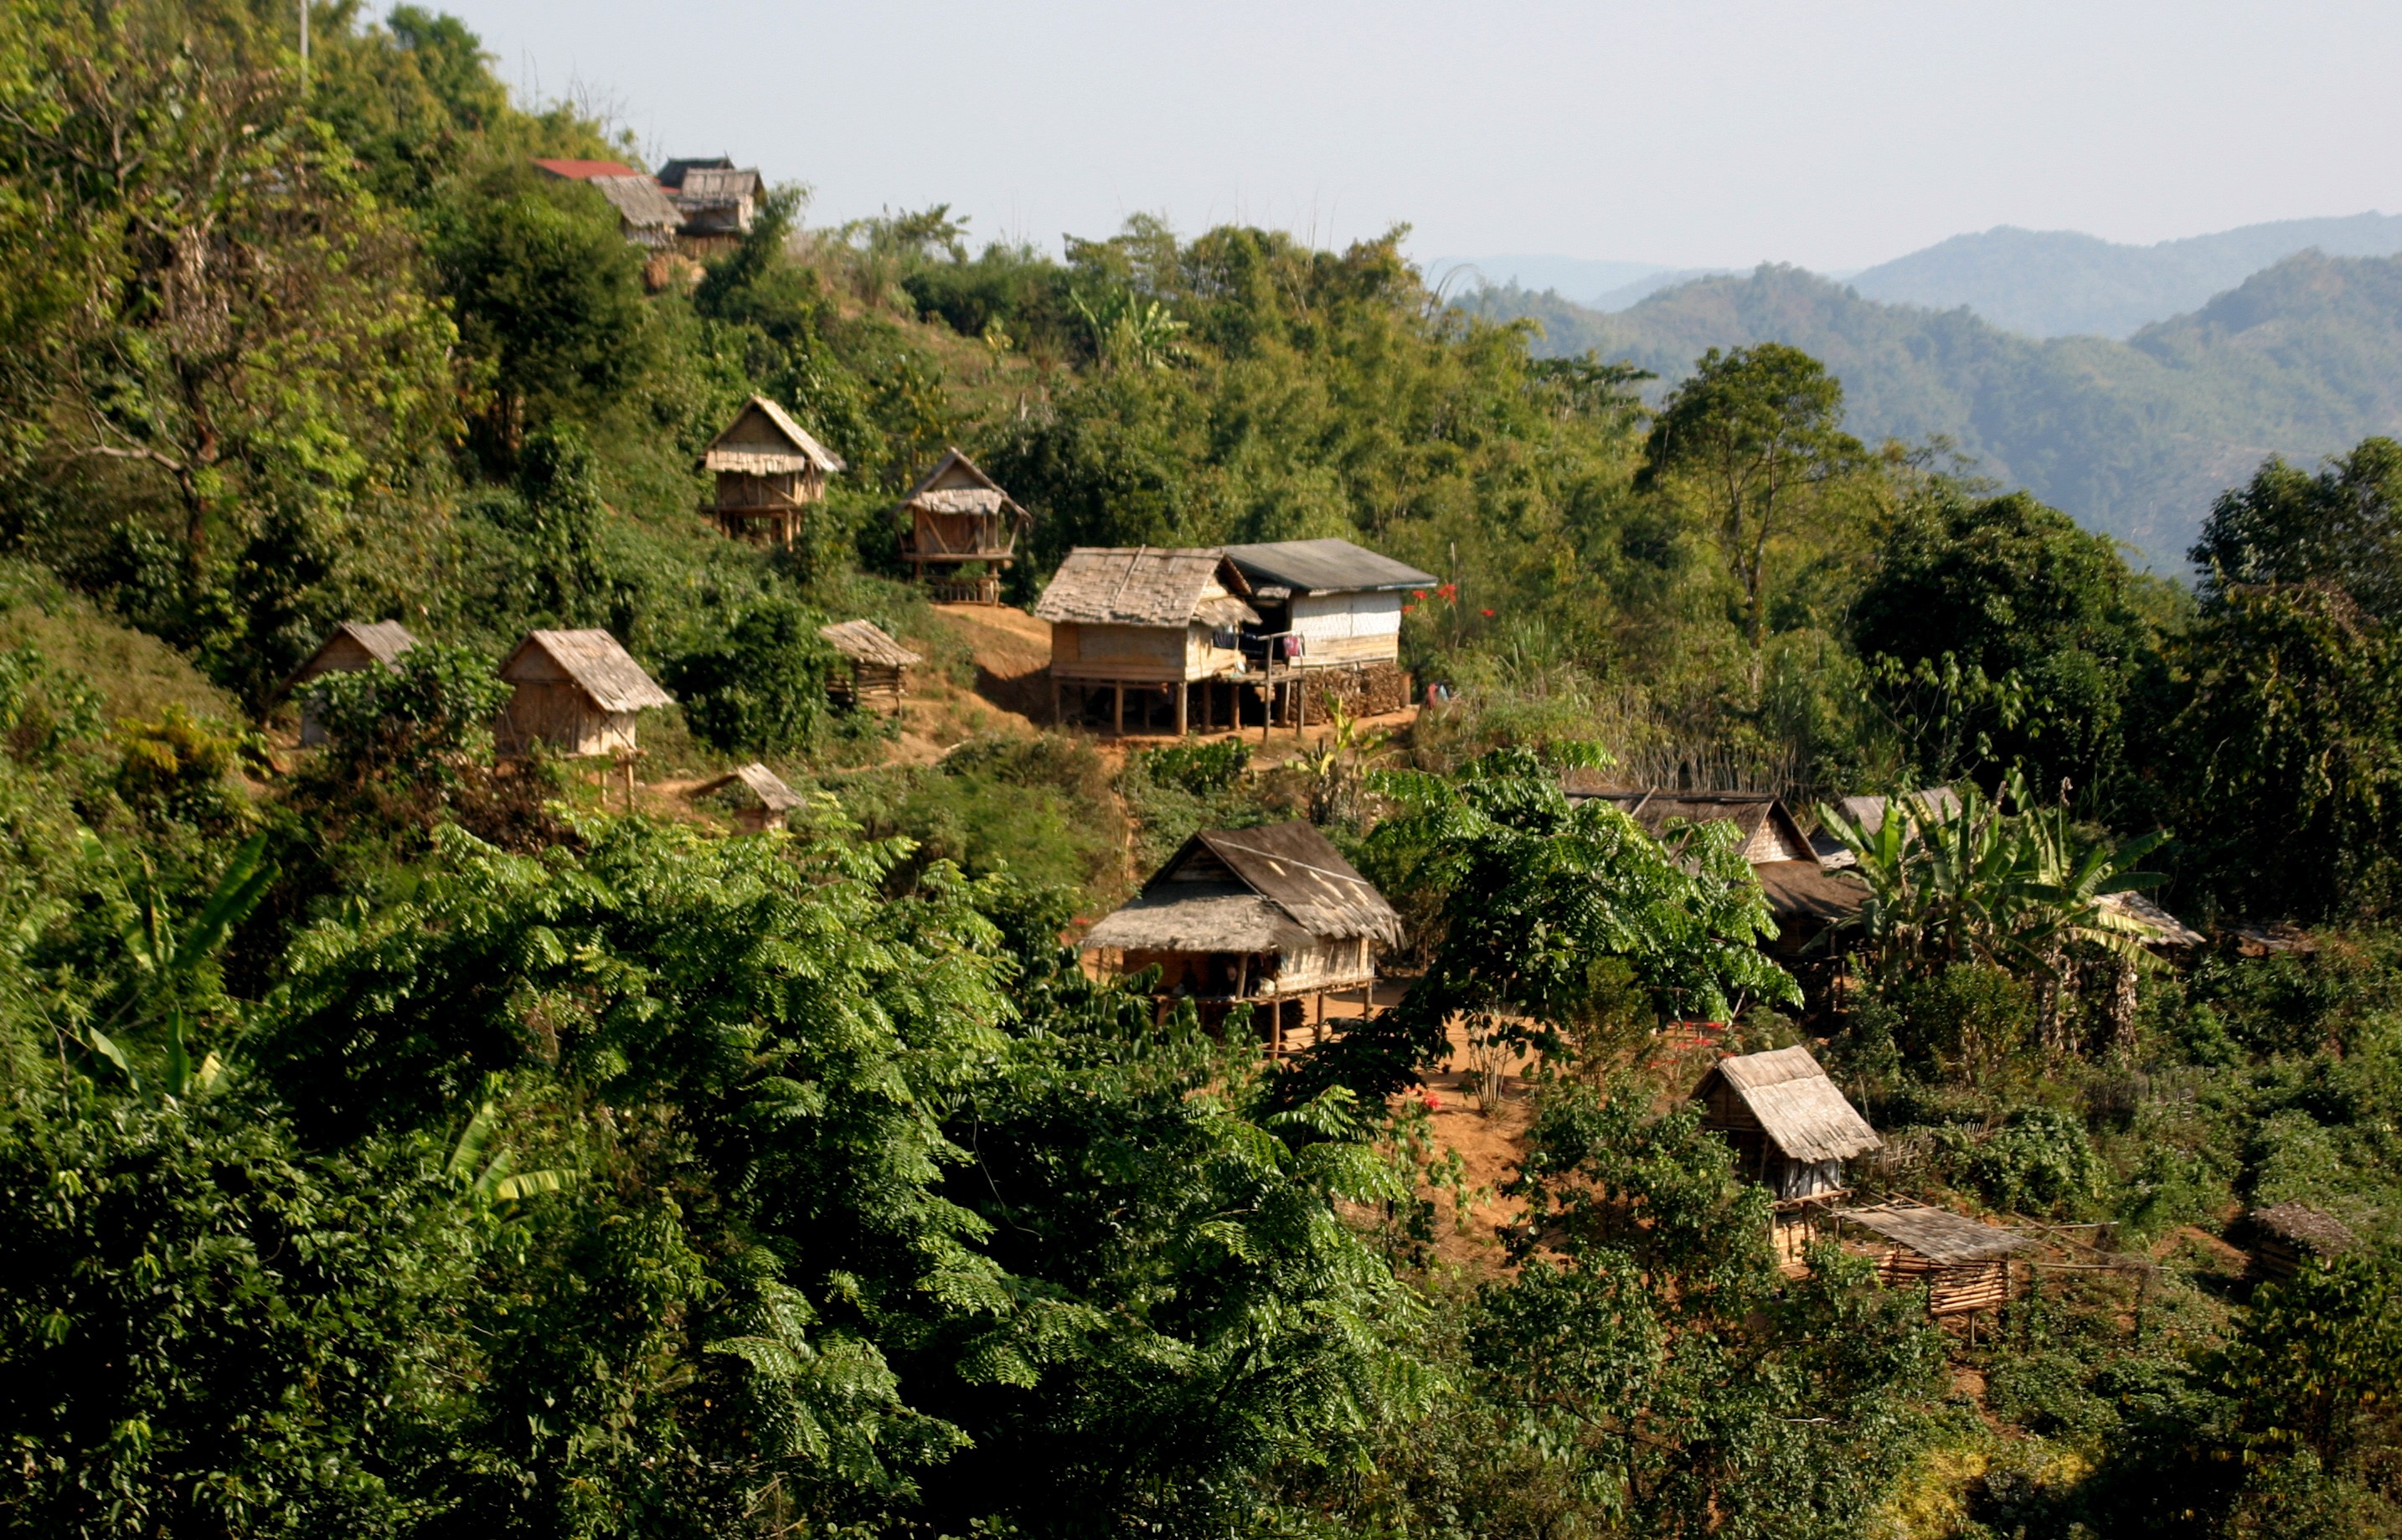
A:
(2284, 1234)
(769, 472)
(1272, 917)
(352, 647)
(1964, 1264)
(576, 691)
(877, 667)
(963, 532)
(1153, 628)
(760, 796)
(1791, 1129)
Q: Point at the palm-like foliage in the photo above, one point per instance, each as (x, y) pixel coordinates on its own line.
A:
(1976, 882)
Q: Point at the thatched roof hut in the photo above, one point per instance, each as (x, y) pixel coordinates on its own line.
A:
(1272, 915)
(762, 796)
(576, 691)
(959, 515)
(1141, 626)
(2283, 1234)
(877, 665)
(769, 471)
(1768, 830)
(1964, 1264)
(1791, 1128)
(350, 648)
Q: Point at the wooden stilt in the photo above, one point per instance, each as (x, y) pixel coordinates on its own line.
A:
(1056, 719)
(1184, 698)
(1300, 709)
(1119, 721)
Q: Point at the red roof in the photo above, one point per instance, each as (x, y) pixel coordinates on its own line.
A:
(584, 171)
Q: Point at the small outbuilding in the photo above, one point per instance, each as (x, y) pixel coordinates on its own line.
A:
(716, 199)
(578, 692)
(1791, 1129)
(1272, 918)
(2285, 1235)
(1154, 629)
(352, 647)
(1965, 1265)
(760, 796)
(876, 668)
(1767, 831)
(1330, 622)
(770, 472)
(963, 532)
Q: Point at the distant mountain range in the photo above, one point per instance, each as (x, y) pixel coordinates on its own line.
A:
(2132, 437)
(2038, 282)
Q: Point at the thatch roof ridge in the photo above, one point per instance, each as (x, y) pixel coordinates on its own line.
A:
(864, 641)
(1936, 1235)
(2314, 1228)
(1144, 586)
(1295, 867)
(1807, 889)
(1799, 1107)
(641, 201)
(599, 665)
(384, 642)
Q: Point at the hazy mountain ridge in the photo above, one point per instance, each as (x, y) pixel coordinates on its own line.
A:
(2064, 283)
(2134, 438)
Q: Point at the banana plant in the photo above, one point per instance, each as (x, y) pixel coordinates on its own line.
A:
(493, 1177)
(166, 957)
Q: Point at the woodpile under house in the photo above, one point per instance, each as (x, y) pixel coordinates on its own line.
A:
(1272, 917)
(1330, 625)
(352, 646)
(770, 472)
(1965, 1265)
(760, 797)
(875, 668)
(1151, 632)
(577, 691)
(1791, 1129)
(963, 532)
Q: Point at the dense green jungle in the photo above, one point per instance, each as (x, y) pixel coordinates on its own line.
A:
(399, 1142)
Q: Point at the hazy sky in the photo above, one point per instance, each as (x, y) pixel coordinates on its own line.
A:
(1679, 131)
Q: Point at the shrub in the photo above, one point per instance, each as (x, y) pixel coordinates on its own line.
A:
(180, 768)
(763, 688)
(2040, 1160)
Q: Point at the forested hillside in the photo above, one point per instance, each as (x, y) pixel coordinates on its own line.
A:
(2130, 438)
(408, 1134)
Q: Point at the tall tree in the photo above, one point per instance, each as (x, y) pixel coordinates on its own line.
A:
(1754, 439)
(2341, 527)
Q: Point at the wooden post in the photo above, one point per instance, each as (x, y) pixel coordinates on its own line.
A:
(1183, 703)
(1119, 726)
(1057, 719)
(1299, 708)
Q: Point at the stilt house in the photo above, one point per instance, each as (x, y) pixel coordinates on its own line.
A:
(760, 796)
(1791, 1129)
(577, 691)
(1274, 918)
(960, 519)
(716, 199)
(876, 667)
(1965, 1265)
(2284, 1235)
(769, 472)
(1330, 622)
(354, 646)
(1157, 631)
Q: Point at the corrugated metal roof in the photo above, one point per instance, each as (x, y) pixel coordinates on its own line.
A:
(864, 641)
(585, 171)
(1936, 1235)
(1324, 566)
(673, 174)
(599, 666)
(1148, 586)
(1797, 1106)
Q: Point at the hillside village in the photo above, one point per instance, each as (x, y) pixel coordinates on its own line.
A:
(671, 870)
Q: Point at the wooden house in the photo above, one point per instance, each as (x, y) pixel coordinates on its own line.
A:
(1156, 629)
(1791, 1129)
(770, 472)
(716, 198)
(1272, 917)
(352, 646)
(577, 691)
(760, 796)
(1965, 1265)
(1329, 623)
(1768, 831)
(2285, 1235)
(876, 668)
(645, 215)
(960, 519)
